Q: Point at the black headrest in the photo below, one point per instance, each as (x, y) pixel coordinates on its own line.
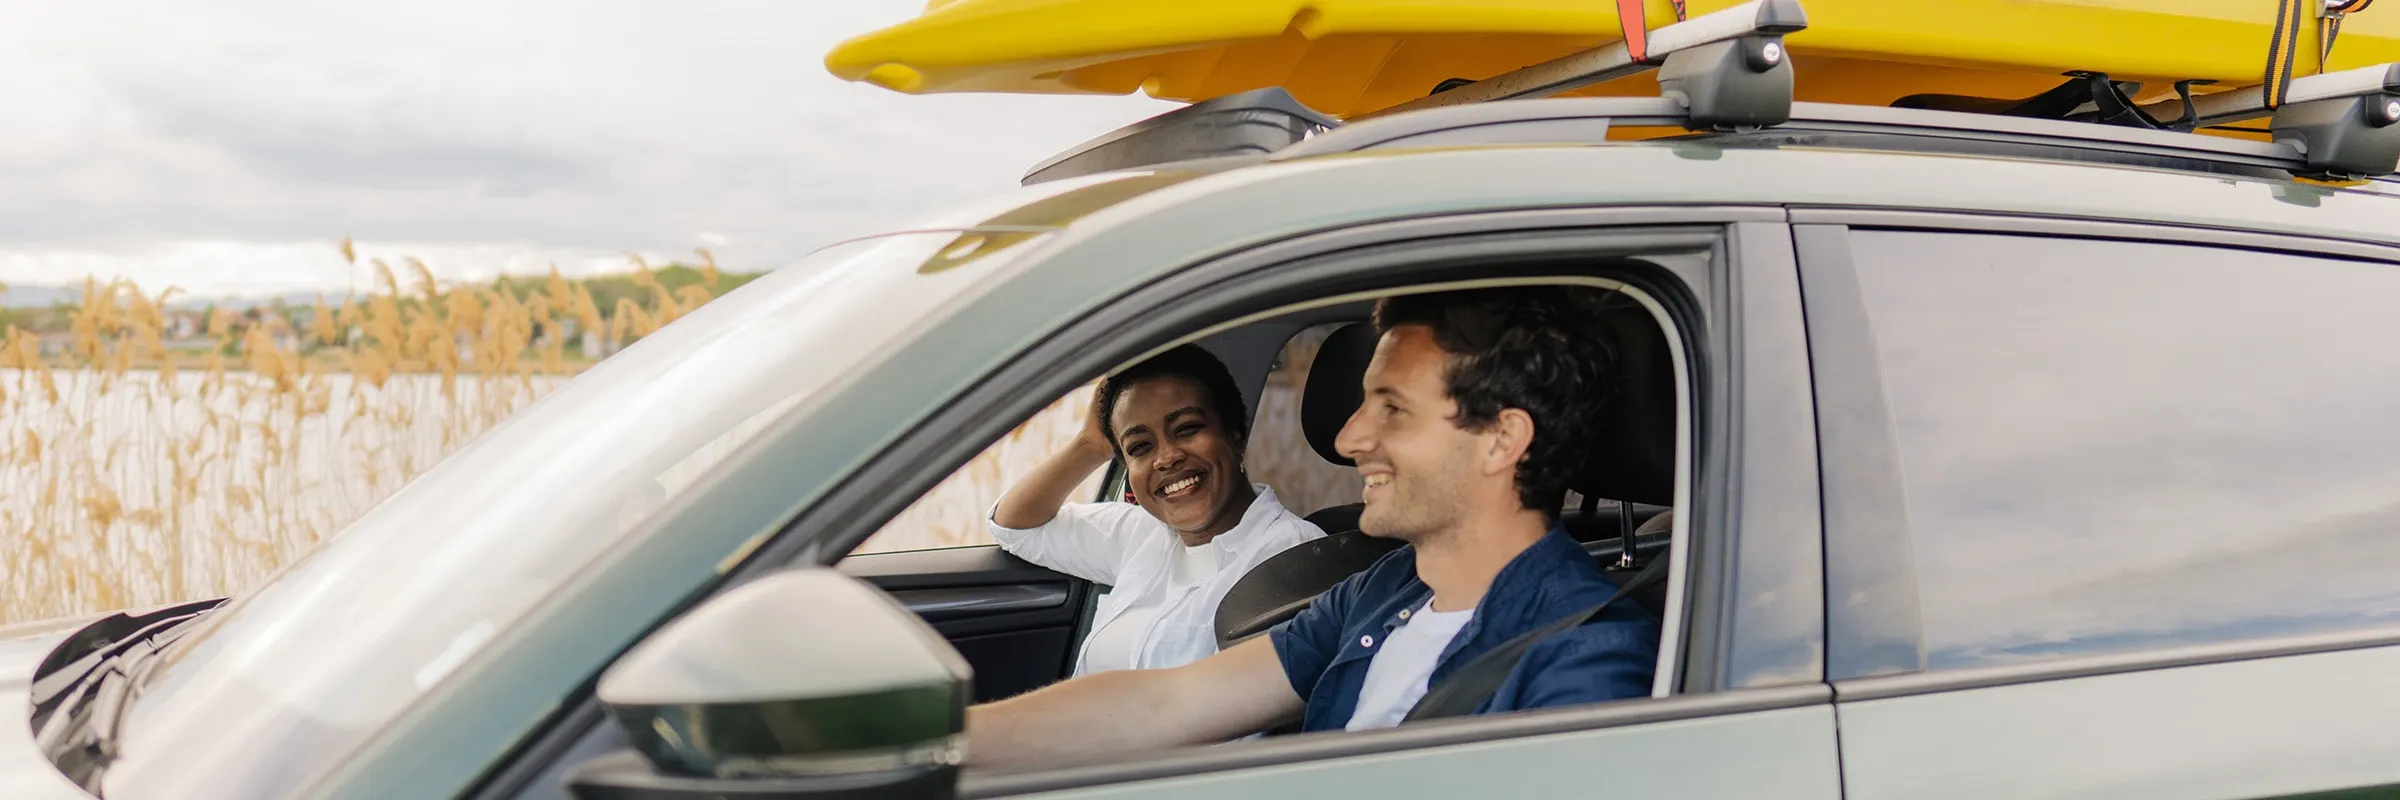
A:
(1634, 453)
(1334, 387)
(1633, 457)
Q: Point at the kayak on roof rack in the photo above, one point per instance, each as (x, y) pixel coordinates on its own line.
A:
(1349, 58)
(1729, 71)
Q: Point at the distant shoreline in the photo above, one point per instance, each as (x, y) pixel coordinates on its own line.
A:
(197, 363)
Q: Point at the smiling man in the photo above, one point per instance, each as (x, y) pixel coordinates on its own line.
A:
(1480, 407)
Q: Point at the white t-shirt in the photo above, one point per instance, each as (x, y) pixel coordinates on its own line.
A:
(1396, 678)
(1115, 644)
(1121, 546)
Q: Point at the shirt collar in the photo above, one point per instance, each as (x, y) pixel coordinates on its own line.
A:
(1262, 514)
(1520, 591)
(1517, 594)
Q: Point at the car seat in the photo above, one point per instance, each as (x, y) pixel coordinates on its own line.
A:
(1634, 462)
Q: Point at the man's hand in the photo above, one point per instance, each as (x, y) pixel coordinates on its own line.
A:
(1229, 695)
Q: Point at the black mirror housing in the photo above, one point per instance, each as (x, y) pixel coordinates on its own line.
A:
(628, 776)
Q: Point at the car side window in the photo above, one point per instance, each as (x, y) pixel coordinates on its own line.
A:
(1279, 454)
(955, 512)
(2110, 446)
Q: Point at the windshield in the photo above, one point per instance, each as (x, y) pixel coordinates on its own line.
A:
(266, 692)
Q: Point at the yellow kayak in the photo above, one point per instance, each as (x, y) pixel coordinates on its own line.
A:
(1352, 57)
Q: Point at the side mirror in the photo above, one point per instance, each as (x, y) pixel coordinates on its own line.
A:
(804, 684)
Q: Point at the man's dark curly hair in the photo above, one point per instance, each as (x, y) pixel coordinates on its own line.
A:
(1189, 362)
(1535, 348)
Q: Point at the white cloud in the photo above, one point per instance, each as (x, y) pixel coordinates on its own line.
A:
(220, 144)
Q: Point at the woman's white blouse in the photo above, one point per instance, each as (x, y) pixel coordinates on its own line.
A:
(1122, 546)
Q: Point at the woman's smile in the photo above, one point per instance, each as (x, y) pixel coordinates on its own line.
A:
(1181, 487)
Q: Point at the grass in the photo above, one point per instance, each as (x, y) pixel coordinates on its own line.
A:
(140, 474)
(133, 473)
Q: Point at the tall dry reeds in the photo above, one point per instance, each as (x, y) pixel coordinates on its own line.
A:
(135, 472)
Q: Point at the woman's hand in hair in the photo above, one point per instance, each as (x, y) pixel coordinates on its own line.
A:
(1093, 439)
(1033, 501)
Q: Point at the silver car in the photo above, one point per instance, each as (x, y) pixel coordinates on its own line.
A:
(2009, 458)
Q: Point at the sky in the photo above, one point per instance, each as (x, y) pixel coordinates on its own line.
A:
(225, 147)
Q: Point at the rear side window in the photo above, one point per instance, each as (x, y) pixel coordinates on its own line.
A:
(2112, 446)
(1280, 455)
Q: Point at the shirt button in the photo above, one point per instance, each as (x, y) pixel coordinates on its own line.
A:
(1366, 641)
(1404, 613)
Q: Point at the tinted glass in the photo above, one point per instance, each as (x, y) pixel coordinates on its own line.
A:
(1280, 455)
(2111, 446)
(957, 512)
(280, 683)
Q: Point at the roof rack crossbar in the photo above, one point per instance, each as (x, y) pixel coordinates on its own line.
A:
(1760, 19)
(2345, 124)
(2249, 103)
(1587, 121)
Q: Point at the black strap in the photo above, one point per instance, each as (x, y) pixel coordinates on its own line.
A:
(2288, 14)
(2327, 31)
(2331, 29)
(1468, 688)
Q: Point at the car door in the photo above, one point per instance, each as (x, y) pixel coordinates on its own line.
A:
(1745, 683)
(2109, 508)
(1016, 623)
(1740, 708)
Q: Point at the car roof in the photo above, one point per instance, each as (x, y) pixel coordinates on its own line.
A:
(1294, 195)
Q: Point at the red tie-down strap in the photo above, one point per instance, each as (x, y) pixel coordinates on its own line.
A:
(1635, 23)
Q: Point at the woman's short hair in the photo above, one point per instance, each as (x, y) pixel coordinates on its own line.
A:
(1188, 362)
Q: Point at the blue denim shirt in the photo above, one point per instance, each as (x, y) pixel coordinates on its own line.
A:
(1326, 649)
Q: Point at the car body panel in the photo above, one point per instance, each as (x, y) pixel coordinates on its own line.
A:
(1784, 753)
(2257, 728)
(25, 771)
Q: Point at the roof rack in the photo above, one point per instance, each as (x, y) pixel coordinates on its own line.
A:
(1255, 122)
(1588, 120)
(1727, 74)
(1727, 67)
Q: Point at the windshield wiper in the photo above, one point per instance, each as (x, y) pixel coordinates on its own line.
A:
(78, 705)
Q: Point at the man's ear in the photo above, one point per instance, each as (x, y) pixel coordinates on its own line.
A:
(1511, 437)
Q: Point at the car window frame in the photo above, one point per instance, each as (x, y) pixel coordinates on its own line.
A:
(1868, 544)
(1401, 252)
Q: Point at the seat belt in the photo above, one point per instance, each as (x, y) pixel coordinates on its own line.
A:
(1473, 684)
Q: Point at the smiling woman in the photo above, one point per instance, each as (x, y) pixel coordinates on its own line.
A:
(1176, 424)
